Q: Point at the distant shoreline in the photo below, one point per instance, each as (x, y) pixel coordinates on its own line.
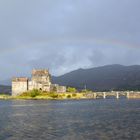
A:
(73, 96)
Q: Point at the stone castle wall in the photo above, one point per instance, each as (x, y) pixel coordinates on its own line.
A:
(41, 80)
(19, 85)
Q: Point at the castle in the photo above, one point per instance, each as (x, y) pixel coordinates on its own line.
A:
(40, 79)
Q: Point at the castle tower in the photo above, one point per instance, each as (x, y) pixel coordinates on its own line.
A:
(41, 80)
(19, 85)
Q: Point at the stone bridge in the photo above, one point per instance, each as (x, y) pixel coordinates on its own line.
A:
(116, 94)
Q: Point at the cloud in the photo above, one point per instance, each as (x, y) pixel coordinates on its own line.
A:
(66, 35)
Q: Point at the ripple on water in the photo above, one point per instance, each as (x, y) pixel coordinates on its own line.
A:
(70, 120)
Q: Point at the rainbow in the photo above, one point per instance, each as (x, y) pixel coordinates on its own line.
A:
(65, 41)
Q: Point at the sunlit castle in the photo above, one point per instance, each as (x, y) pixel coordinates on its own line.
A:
(40, 79)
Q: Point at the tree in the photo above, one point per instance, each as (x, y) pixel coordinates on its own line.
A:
(34, 93)
(71, 89)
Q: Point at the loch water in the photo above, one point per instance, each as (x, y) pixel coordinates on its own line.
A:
(103, 119)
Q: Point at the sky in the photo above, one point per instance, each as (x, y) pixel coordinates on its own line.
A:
(64, 35)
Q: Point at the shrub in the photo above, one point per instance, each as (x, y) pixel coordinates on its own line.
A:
(74, 95)
(86, 91)
(68, 96)
(53, 95)
(71, 89)
(34, 93)
(26, 93)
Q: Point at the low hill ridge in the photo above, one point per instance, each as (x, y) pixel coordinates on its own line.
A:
(108, 77)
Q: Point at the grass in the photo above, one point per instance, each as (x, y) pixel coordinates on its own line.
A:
(50, 95)
(37, 94)
(4, 96)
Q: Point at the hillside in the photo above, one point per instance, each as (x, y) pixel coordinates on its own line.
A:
(5, 89)
(110, 77)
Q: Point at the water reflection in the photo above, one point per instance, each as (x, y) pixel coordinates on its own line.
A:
(70, 120)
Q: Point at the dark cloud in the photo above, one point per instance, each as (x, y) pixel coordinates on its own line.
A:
(66, 35)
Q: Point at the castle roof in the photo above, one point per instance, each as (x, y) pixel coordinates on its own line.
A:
(40, 72)
(20, 79)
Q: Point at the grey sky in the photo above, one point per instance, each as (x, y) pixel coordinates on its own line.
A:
(64, 35)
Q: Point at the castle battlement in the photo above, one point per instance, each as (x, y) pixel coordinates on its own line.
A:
(19, 79)
(40, 72)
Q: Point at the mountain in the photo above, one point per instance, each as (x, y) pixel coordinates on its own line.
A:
(5, 86)
(6, 82)
(109, 77)
(5, 89)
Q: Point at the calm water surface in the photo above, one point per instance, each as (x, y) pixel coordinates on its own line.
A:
(108, 119)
